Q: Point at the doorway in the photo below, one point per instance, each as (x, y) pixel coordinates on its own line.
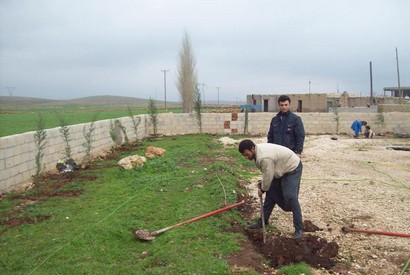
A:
(299, 106)
(265, 105)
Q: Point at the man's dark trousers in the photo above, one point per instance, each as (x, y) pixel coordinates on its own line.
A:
(284, 192)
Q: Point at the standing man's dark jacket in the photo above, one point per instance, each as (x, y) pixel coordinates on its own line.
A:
(287, 129)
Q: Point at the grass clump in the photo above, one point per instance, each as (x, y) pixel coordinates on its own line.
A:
(295, 269)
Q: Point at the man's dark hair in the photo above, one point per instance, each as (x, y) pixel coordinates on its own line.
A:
(283, 98)
(364, 122)
(245, 144)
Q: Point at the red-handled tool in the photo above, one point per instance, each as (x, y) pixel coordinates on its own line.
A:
(147, 236)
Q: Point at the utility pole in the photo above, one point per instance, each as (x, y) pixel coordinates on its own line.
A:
(10, 90)
(398, 76)
(165, 86)
(371, 84)
(218, 94)
(309, 86)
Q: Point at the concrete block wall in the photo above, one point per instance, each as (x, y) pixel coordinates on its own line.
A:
(17, 152)
(395, 107)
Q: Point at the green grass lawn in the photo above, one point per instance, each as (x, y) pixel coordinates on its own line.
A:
(92, 233)
(21, 121)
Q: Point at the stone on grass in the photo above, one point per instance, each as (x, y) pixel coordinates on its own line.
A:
(132, 161)
(153, 152)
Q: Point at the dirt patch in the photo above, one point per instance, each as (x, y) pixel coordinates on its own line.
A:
(280, 250)
(17, 221)
(50, 185)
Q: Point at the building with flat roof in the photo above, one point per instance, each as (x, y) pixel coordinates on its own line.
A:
(321, 102)
(394, 91)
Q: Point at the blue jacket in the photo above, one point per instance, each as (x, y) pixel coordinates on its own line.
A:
(287, 129)
(357, 126)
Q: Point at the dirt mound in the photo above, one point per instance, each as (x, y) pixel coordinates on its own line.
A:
(280, 250)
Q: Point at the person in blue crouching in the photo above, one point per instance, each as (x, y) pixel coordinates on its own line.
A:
(357, 127)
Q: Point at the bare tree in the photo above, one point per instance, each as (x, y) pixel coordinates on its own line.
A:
(187, 76)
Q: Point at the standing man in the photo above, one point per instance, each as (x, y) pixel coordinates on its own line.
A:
(281, 172)
(286, 128)
(357, 127)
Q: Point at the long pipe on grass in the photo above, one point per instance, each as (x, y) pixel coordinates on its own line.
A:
(349, 229)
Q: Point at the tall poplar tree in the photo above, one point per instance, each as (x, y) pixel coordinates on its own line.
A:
(187, 75)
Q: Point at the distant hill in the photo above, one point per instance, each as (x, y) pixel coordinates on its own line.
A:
(18, 102)
(13, 102)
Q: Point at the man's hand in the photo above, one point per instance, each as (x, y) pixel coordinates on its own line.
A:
(259, 184)
(260, 192)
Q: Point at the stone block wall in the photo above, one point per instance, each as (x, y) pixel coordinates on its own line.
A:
(17, 152)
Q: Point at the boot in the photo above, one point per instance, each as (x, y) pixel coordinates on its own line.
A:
(258, 225)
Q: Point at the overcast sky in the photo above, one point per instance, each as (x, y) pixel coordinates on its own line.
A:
(63, 49)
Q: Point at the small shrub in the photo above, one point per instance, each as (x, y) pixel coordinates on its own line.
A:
(88, 136)
(153, 114)
(113, 135)
(123, 130)
(198, 107)
(135, 123)
(65, 133)
(40, 137)
(337, 119)
(380, 119)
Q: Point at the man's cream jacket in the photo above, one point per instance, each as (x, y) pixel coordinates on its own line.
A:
(274, 161)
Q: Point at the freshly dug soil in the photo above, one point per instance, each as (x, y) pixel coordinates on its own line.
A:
(280, 249)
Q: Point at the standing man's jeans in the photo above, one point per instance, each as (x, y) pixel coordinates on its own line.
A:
(285, 192)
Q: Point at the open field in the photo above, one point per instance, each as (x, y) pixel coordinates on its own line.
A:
(20, 115)
(17, 122)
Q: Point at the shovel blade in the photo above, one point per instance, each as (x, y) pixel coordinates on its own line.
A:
(143, 235)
